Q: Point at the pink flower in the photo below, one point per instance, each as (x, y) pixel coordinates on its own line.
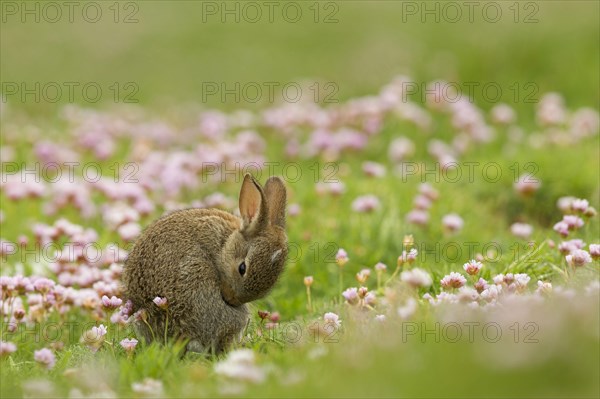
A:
(453, 280)
(580, 205)
(129, 231)
(595, 251)
(362, 292)
(119, 318)
(119, 213)
(275, 317)
(584, 122)
(370, 299)
(45, 357)
(418, 217)
(472, 267)
(111, 303)
(332, 319)
(6, 348)
(503, 114)
(574, 222)
(561, 228)
(427, 190)
(521, 230)
(160, 302)
(399, 149)
(337, 188)
(362, 277)
(23, 284)
(99, 331)
(365, 203)
(408, 257)
(481, 285)
(308, 281)
(566, 247)
(334, 188)
(129, 344)
(373, 169)
(341, 257)
(94, 338)
(527, 185)
(578, 257)
(551, 110)
(452, 222)
(43, 285)
(293, 210)
(422, 202)
(380, 267)
(7, 285)
(351, 295)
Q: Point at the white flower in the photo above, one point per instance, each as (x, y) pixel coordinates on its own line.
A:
(498, 279)
(521, 230)
(149, 388)
(503, 114)
(416, 277)
(521, 280)
(241, 365)
(491, 293)
(467, 294)
(543, 287)
(332, 318)
(408, 309)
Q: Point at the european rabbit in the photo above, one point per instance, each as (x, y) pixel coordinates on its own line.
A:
(209, 263)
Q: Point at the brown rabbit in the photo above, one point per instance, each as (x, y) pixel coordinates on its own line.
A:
(208, 264)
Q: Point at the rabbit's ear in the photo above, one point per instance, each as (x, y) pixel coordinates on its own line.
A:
(276, 197)
(252, 204)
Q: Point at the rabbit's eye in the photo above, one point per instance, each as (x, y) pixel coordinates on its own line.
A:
(242, 268)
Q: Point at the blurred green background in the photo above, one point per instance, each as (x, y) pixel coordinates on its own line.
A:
(175, 46)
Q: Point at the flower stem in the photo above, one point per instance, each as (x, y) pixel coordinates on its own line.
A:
(309, 299)
(341, 280)
(151, 330)
(166, 325)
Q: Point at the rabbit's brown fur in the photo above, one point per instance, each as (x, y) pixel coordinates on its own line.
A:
(192, 257)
